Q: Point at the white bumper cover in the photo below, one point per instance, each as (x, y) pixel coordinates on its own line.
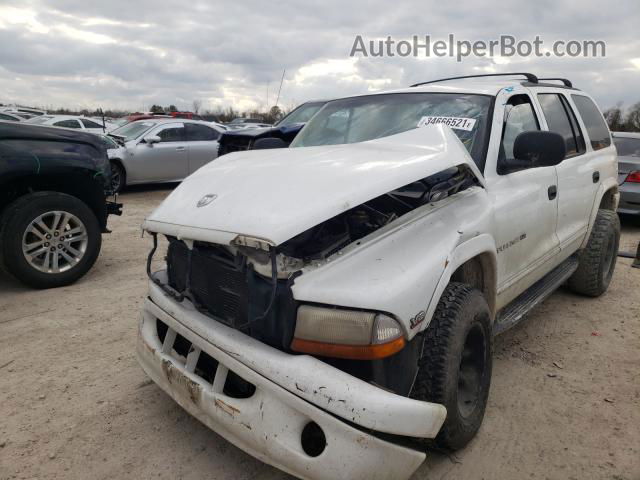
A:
(291, 391)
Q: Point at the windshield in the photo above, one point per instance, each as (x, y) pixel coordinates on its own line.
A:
(108, 142)
(359, 119)
(132, 130)
(301, 114)
(627, 147)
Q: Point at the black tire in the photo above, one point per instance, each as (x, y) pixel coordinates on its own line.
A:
(17, 219)
(118, 177)
(598, 259)
(458, 340)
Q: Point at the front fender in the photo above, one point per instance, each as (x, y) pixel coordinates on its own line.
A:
(400, 269)
(606, 185)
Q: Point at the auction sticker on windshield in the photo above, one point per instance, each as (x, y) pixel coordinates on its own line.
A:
(459, 123)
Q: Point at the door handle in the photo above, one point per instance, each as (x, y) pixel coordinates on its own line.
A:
(552, 191)
(180, 149)
(595, 177)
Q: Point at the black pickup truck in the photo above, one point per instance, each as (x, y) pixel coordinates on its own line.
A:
(54, 185)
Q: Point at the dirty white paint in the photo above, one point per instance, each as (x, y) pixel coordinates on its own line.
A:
(268, 425)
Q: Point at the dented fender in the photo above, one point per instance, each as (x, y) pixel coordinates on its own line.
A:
(401, 270)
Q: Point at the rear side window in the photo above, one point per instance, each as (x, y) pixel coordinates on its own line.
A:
(8, 117)
(67, 124)
(562, 120)
(200, 133)
(90, 124)
(593, 121)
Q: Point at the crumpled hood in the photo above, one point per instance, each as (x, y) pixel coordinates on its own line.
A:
(277, 194)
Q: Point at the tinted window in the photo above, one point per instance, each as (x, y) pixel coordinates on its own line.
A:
(519, 117)
(67, 124)
(560, 119)
(197, 132)
(627, 147)
(8, 117)
(90, 124)
(593, 121)
(172, 134)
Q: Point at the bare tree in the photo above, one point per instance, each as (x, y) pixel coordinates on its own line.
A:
(633, 118)
(197, 104)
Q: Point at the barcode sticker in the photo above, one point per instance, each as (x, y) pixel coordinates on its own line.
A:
(453, 122)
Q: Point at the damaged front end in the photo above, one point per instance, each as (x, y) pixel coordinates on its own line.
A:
(292, 380)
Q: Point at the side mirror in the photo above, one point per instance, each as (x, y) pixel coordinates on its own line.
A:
(265, 143)
(152, 139)
(539, 148)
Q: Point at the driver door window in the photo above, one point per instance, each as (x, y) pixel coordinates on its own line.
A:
(171, 133)
(519, 117)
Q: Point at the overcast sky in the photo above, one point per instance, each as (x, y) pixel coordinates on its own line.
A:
(131, 54)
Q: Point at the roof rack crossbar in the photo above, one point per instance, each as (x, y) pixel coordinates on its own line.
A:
(529, 76)
(567, 83)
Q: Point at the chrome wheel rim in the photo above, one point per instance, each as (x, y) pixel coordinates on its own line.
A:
(115, 179)
(55, 242)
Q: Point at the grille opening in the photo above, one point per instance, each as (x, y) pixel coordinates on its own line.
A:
(181, 346)
(206, 367)
(235, 386)
(313, 439)
(238, 387)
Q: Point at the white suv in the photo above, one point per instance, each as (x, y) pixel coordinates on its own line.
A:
(329, 307)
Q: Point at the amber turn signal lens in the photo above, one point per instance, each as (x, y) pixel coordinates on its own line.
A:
(352, 352)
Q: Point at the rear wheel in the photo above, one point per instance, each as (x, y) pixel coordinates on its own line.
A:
(455, 367)
(49, 239)
(598, 259)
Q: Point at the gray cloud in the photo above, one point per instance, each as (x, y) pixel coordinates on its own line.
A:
(130, 54)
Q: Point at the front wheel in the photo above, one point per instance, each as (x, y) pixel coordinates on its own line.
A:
(455, 366)
(49, 239)
(118, 177)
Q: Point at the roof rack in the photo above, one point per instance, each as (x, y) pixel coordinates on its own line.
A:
(567, 83)
(529, 76)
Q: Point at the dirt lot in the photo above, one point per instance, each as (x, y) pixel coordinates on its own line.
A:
(564, 403)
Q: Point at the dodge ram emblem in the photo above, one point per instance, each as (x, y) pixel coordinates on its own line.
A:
(206, 200)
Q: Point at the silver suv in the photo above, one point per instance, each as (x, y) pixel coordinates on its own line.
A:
(161, 150)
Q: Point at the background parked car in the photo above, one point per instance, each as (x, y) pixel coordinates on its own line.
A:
(70, 121)
(628, 146)
(286, 130)
(161, 150)
(242, 123)
(10, 117)
(54, 185)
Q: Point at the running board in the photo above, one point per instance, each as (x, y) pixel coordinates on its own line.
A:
(516, 310)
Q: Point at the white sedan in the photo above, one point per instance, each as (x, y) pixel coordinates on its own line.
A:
(70, 121)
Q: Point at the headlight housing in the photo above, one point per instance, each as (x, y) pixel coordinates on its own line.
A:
(342, 333)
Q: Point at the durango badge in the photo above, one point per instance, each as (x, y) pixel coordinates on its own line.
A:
(206, 200)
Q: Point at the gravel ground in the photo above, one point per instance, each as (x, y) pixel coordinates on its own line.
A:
(564, 402)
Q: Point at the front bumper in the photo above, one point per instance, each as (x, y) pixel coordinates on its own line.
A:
(629, 198)
(290, 392)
